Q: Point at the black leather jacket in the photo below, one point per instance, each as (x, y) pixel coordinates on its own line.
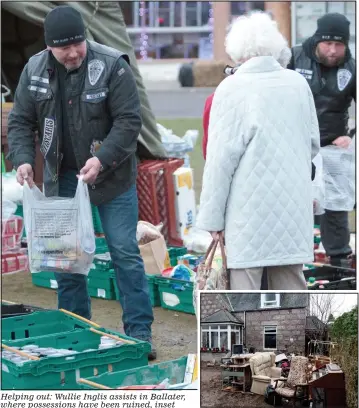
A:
(333, 90)
(103, 113)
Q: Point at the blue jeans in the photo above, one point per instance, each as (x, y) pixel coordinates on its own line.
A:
(119, 221)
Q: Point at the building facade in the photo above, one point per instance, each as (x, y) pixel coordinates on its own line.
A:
(197, 29)
(267, 322)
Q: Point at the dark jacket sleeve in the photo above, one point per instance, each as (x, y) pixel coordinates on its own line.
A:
(22, 123)
(125, 110)
(313, 171)
(291, 62)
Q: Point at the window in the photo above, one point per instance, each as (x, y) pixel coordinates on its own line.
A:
(270, 300)
(221, 336)
(270, 337)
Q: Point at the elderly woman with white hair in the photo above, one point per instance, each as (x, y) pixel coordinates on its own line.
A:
(263, 135)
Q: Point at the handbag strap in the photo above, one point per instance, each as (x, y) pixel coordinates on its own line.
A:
(223, 252)
(210, 254)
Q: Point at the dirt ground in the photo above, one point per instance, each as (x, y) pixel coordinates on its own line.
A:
(174, 333)
(213, 396)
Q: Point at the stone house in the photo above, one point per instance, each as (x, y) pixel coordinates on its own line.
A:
(258, 321)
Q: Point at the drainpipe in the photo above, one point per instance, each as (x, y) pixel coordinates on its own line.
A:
(244, 327)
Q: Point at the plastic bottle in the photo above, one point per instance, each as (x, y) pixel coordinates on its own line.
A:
(311, 282)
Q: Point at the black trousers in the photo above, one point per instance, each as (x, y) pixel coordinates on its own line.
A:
(334, 229)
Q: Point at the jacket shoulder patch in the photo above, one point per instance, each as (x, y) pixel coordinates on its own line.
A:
(343, 78)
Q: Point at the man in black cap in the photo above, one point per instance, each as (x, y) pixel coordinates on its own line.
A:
(82, 98)
(326, 62)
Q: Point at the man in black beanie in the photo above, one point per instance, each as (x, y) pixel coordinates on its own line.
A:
(326, 62)
(82, 98)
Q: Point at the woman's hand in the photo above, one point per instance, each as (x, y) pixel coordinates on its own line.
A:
(216, 235)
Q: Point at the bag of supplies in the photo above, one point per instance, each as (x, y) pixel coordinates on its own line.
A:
(60, 231)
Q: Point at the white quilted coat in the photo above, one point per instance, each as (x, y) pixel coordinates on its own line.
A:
(263, 134)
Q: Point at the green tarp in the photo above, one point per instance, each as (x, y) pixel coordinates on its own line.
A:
(105, 24)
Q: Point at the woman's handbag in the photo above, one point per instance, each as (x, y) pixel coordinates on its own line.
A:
(212, 273)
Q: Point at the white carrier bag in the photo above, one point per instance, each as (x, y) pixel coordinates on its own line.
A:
(59, 231)
(339, 177)
(318, 186)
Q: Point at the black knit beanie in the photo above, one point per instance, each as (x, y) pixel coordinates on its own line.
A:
(332, 27)
(64, 26)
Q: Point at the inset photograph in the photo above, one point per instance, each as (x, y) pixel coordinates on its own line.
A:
(279, 349)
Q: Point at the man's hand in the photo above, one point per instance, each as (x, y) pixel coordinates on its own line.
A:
(90, 170)
(25, 172)
(216, 235)
(342, 141)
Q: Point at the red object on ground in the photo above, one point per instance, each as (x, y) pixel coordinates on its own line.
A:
(156, 196)
(206, 112)
(14, 262)
(11, 233)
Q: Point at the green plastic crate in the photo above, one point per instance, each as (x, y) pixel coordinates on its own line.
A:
(152, 286)
(98, 288)
(101, 245)
(20, 213)
(62, 372)
(102, 287)
(153, 374)
(39, 323)
(176, 294)
(44, 280)
(97, 225)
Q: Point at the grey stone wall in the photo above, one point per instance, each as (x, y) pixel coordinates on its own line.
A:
(290, 324)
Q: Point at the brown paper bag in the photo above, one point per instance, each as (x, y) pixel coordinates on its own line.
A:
(153, 253)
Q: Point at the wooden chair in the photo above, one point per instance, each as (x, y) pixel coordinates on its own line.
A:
(297, 379)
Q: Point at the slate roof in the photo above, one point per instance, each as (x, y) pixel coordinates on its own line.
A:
(252, 301)
(221, 316)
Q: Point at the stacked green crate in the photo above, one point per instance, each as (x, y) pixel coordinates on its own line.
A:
(174, 253)
(152, 287)
(176, 294)
(40, 323)
(61, 372)
(100, 282)
(97, 225)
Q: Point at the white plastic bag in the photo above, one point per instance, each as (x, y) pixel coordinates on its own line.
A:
(60, 231)
(339, 177)
(11, 189)
(318, 186)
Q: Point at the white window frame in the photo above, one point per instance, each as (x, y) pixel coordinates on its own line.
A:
(264, 337)
(270, 303)
(215, 328)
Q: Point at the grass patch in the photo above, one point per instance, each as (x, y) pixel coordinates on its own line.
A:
(179, 128)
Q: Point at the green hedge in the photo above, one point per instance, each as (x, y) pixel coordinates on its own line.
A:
(345, 332)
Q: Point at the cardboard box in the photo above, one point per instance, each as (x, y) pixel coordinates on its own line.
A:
(185, 201)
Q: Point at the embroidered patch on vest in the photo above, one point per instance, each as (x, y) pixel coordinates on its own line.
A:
(99, 95)
(40, 79)
(95, 69)
(121, 71)
(343, 78)
(49, 127)
(36, 89)
(95, 145)
(307, 73)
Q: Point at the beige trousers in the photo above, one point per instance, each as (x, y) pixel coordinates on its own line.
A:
(286, 277)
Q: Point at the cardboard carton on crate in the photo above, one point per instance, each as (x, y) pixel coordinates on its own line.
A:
(156, 196)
